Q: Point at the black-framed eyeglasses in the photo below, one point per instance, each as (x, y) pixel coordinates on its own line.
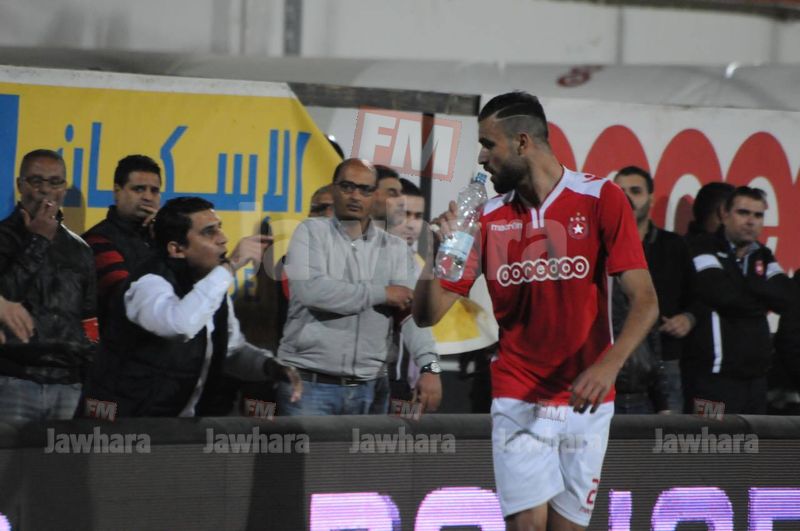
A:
(37, 181)
(349, 187)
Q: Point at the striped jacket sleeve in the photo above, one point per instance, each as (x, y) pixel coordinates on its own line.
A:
(109, 264)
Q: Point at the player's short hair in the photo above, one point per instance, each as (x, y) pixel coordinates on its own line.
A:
(517, 111)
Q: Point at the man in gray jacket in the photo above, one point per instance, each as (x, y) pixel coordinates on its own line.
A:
(350, 282)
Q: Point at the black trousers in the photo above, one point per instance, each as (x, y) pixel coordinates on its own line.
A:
(740, 396)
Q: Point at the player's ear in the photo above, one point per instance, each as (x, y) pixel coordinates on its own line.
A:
(523, 142)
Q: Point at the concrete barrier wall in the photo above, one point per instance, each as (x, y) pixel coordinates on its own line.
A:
(381, 473)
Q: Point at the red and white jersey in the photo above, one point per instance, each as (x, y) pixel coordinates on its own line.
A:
(548, 270)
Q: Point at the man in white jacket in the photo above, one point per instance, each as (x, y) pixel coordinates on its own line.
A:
(172, 333)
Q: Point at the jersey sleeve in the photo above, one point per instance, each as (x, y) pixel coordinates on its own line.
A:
(472, 269)
(618, 231)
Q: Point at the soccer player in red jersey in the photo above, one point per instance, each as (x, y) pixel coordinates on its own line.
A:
(548, 245)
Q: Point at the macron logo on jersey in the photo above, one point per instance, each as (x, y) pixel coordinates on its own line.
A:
(564, 268)
(498, 227)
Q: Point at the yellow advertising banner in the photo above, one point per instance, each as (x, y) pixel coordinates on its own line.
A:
(248, 147)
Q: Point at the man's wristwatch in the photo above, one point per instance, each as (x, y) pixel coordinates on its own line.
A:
(433, 368)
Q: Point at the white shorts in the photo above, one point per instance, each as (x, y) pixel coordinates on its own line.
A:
(548, 453)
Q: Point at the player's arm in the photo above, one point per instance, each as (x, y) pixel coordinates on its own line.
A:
(617, 230)
(638, 287)
(594, 384)
(431, 299)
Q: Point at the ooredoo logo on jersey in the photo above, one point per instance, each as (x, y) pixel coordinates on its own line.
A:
(564, 268)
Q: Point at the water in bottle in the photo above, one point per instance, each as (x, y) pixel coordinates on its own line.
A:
(452, 256)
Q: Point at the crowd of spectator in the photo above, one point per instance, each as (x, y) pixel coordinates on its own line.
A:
(137, 312)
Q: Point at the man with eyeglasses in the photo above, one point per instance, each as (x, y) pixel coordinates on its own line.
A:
(349, 281)
(47, 283)
(263, 319)
(739, 280)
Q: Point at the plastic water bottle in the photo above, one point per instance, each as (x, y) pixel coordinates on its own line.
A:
(453, 252)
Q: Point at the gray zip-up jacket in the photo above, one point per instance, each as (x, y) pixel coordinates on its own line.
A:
(338, 322)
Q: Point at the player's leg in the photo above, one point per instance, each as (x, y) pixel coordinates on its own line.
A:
(526, 468)
(581, 454)
(534, 519)
(557, 522)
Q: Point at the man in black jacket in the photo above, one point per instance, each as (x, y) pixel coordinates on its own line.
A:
(171, 333)
(122, 240)
(784, 375)
(650, 381)
(740, 281)
(48, 288)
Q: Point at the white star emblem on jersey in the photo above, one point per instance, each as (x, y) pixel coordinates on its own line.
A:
(578, 227)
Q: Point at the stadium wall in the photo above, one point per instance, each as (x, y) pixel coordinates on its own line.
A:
(401, 472)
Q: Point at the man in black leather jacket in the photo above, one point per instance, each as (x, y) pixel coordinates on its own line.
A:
(642, 385)
(47, 278)
(650, 380)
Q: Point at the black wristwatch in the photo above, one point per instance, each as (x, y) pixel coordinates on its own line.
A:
(433, 368)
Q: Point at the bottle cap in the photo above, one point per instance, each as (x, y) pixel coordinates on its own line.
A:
(480, 177)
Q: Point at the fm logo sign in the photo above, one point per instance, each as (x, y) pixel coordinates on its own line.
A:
(405, 409)
(407, 142)
(709, 409)
(258, 408)
(101, 409)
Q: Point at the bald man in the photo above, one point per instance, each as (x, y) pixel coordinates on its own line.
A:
(350, 283)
